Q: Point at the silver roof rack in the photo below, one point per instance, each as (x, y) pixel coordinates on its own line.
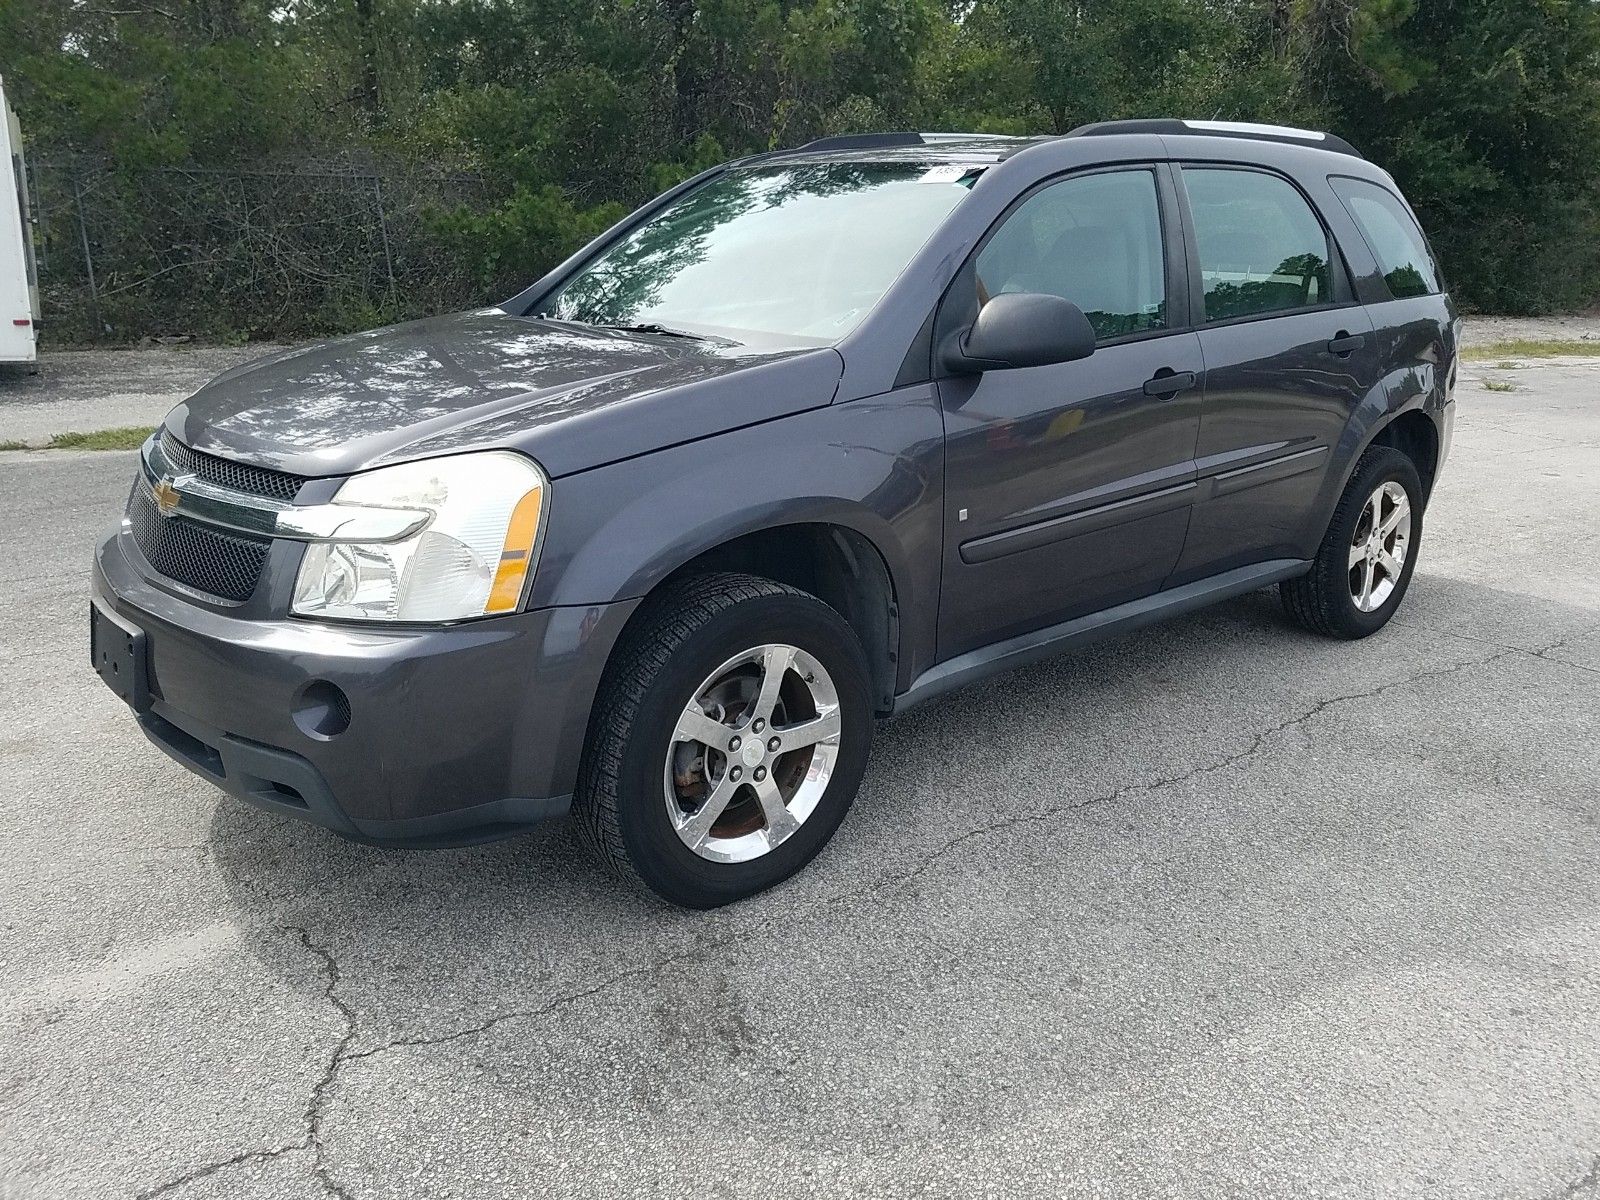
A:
(1236, 129)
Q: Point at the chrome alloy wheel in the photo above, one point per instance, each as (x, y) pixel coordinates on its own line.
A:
(1378, 550)
(752, 753)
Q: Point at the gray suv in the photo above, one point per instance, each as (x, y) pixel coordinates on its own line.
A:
(809, 439)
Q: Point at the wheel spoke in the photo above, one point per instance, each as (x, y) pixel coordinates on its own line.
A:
(697, 826)
(695, 726)
(763, 688)
(807, 733)
(1390, 565)
(1368, 578)
(1402, 510)
(780, 822)
(775, 663)
(1358, 554)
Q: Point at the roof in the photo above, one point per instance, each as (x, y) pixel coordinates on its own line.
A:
(941, 147)
(1248, 130)
(906, 147)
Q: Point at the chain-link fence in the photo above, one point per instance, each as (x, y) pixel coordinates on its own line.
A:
(280, 251)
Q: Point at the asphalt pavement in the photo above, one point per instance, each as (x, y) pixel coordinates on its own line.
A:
(1216, 909)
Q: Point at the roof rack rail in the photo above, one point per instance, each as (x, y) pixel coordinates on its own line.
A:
(861, 141)
(1234, 129)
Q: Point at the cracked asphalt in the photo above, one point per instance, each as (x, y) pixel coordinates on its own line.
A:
(1216, 909)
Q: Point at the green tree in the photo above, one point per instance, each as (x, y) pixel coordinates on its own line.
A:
(1487, 112)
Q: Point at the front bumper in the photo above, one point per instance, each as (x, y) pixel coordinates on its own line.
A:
(456, 734)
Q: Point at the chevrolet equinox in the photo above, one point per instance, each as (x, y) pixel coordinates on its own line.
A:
(808, 439)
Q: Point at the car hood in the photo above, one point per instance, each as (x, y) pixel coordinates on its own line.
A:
(573, 397)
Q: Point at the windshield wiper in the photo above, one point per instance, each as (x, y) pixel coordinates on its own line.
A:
(656, 327)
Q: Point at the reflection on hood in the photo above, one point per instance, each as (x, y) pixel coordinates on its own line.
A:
(572, 396)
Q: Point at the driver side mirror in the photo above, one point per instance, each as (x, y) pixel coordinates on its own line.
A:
(1019, 329)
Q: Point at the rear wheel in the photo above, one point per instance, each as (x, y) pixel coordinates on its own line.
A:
(729, 739)
(1366, 559)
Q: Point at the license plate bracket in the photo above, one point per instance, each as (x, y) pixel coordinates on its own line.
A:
(120, 656)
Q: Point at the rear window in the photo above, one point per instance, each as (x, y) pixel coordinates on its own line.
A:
(1392, 236)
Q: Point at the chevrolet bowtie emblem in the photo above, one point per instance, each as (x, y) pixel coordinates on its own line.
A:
(167, 494)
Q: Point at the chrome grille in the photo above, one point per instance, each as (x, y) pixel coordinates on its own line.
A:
(224, 472)
(207, 559)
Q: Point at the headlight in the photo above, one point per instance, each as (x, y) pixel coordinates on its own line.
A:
(470, 560)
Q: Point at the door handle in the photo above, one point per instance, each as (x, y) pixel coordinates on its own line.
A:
(1167, 383)
(1346, 344)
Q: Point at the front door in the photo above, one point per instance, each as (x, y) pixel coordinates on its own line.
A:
(1068, 486)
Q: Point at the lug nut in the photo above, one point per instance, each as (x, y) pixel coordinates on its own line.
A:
(761, 773)
(773, 744)
(733, 743)
(735, 773)
(758, 725)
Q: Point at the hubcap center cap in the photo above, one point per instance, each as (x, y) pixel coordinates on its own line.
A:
(753, 752)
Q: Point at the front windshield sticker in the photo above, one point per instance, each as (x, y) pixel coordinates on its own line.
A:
(949, 173)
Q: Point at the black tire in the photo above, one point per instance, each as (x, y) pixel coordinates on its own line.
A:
(1321, 600)
(683, 636)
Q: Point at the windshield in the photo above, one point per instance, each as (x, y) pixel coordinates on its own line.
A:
(800, 252)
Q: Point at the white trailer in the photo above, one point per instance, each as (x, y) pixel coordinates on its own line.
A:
(19, 280)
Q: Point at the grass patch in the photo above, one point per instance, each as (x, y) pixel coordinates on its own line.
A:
(1529, 348)
(127, 438)
(1499, 385)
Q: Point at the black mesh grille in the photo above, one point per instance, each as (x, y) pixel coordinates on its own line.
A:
(223, 564)
(224, 472)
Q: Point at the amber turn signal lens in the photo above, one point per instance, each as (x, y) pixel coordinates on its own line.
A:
(517, 555)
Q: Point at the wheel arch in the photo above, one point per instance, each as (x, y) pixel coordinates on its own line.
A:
(837, 563)
(1413, 430)
(1416, 435)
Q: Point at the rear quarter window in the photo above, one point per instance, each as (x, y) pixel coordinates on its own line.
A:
(1392, 235)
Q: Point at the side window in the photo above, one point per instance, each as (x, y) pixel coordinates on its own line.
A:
(1392, 235)
(1261, 247)
(1094, 240)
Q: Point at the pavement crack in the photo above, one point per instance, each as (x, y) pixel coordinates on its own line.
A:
(1257, 743)
(1542, 652)
(316, 1105)
(652, 967)
(1587, 1182)
(883, 882)
(199, 1173)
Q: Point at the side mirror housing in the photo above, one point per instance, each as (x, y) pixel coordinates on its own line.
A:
(1020, 329)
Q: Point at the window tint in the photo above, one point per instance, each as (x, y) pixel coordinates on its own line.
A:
(1393, 237)
(1094, 240)
(1261, 247)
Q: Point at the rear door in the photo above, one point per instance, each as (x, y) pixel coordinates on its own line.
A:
(1068, 486)
(1288, 356)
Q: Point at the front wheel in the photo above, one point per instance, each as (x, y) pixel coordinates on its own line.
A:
(1364, 565)
(728, 741)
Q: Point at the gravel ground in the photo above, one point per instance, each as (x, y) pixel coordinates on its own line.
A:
(1220, 909)
(1485, 331)
(80, 391)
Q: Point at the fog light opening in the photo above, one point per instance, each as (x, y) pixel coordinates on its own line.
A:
(321, 710)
